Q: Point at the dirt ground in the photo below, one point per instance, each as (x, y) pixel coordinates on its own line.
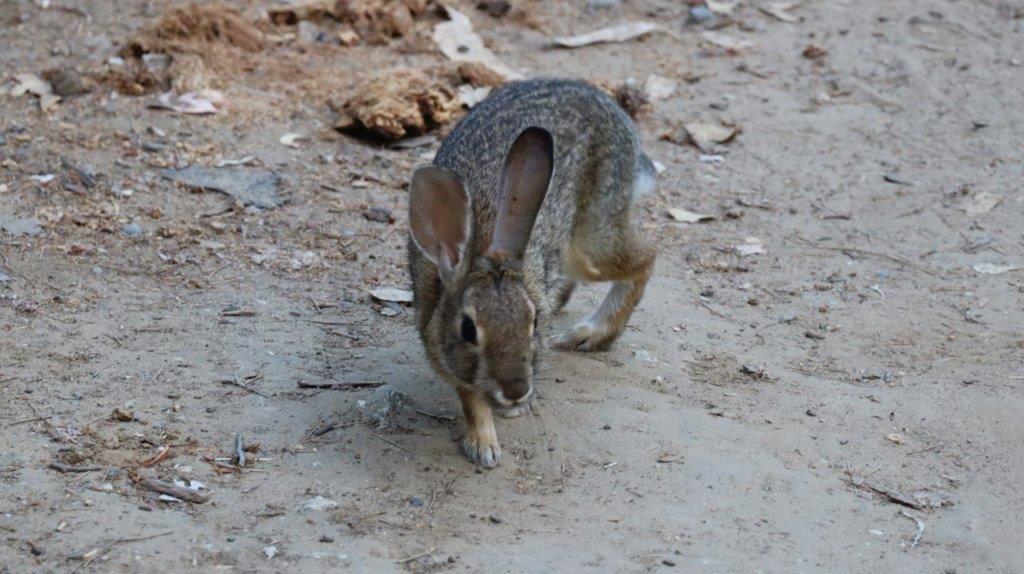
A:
(805, 409)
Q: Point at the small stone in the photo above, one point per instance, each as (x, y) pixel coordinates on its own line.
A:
(131, 229)
(700, 15)
(707, 292)
(669, 563)
(602, 4)
(496, 519)
(151, 147)
(416, 501)
(327, 539)
(607, 427)
(122, 415)
(379, 214)
(810, 413)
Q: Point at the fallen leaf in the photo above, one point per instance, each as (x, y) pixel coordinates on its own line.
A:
(392, 294)
(235, 162)
(459, 43)
(470, 96)
(750, 246)
(291, 140)
(721, 6)
(981, 203)
(190, 103)
(659, 87)
(617, 33)
(780, 10)
(727, 42)
(814, 52)
(688, 216)
(993, 269)
(704, 135)
(31, 84)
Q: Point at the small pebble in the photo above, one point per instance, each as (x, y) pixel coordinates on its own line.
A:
(707, 292)
(602, 4)
(811, 413)
(326, 538)
(496, 519)
(416, 501)
(668, 562)
(607, 427)
(700, 15)
(152, 147)
(131, 229)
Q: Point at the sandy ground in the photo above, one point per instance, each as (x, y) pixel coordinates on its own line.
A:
(740, 423)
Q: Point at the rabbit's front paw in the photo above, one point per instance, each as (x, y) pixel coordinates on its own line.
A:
(585, 337)
(483, 451)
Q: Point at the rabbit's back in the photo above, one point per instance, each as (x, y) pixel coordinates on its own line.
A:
(596, 144)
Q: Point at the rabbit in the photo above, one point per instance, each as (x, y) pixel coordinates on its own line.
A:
(530, 193)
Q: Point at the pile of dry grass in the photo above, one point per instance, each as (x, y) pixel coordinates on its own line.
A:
(207, 44)
(372, 21)
(398, 103)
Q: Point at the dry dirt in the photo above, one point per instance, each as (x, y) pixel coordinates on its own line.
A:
(727, 430)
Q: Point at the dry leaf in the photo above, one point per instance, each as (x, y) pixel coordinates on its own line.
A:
(291, 140)
(33, 84)
(659, 87)
(616, 33)
(457, 40)
(470, 96)
(750, 246)
(688, 216)
(191, 103)
(780, 10)
(705, 136)
(721, 6)
(993, 269)
(392, 294)
(981, 203)
(727, 42)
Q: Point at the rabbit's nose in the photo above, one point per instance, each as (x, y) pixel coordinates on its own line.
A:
(515, 392)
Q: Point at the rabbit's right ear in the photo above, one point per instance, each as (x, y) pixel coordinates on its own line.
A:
(439, 217)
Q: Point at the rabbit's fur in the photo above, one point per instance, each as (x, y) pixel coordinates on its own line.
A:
(557, 157)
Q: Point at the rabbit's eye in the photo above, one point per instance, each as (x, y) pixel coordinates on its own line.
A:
(468, 330)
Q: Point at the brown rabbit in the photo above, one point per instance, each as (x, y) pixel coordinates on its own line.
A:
(531, 192)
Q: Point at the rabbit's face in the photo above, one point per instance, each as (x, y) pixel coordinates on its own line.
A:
(496, 330)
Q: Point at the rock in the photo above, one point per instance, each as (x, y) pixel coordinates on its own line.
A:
(700, 15)
(379, 214)
(416, 501)
(386, 406)
(318, 503)
(153, 147)
(20, 226)
(4, 278)
(496, 8)
(131, 229)
(496, 519)
(66, 82)
(122, 415)
(602, 4)
(326, 538)
(252, 186)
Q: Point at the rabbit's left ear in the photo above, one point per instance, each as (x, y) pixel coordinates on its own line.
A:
(524, 184)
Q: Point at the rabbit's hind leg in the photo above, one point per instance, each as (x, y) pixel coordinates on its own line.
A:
(629, 268)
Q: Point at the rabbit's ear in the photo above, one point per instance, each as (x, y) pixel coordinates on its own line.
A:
(439, 216)
(524, 183)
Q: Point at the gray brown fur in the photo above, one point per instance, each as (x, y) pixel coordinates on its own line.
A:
(583, 231)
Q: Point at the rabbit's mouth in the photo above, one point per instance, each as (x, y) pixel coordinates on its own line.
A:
(500, 401)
